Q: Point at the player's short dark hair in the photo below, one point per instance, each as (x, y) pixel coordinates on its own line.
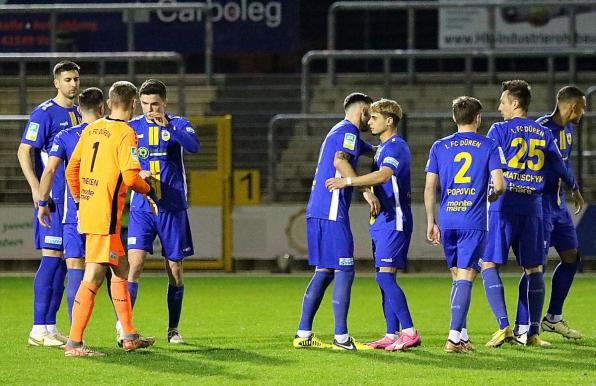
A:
(90, 99)
(356, 97)
(122, 93)
(465, 109)
(570, 93)
(153, 87)
(520, 91)
(65, 65)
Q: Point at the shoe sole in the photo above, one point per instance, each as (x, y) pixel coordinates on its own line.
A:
(419, 343)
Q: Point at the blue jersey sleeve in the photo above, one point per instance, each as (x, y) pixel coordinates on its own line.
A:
(58, 148)
(392, 158)
(184, 134)
(37, 129)
(496, 159)
(432, 166)
(553, 156)
(365, 147)
(346, 142)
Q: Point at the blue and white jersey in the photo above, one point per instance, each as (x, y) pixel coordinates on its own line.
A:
(161, 151)
(563, 136)
(45, 122)
(395, 194)
(527, 146)
(63, 147)
(334, 205)
(463, 162)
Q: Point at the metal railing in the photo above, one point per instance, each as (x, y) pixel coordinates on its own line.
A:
(313, 127)
(412, 6)
(128, 10)
(387, 55)
(101, 58)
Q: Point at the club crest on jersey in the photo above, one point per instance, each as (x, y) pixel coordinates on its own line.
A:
(350, 141)
(32, 131)
(165, 135)
(113, 255)
(569, 137)
(143, 152)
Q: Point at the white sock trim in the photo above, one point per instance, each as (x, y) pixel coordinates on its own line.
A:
(454, 336)
(343, 338)
(303, 333)
(464, 334)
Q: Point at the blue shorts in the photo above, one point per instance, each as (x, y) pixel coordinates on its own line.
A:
(390, 247)
(523, 233)
(330, 244)
(173, 229)
(559, 230)
(49, 238)
(74, 242)
(463, 247)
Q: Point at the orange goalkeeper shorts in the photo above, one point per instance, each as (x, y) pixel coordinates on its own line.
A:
(105, 249)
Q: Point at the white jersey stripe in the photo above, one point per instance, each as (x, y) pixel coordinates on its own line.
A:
(399, 215)
(334, 202)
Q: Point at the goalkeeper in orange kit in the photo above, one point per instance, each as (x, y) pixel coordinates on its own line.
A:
(102, 168)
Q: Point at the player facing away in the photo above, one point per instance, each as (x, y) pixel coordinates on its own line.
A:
(330, 242)
(463, 163)
(163, 139)
(45, 122)
(102, 167)
(559, 231)
(515, 219)
(91, 108)
(391, 229)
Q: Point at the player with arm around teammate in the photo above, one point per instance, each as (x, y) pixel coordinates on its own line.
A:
(330, 242)
(391, 229)
(45, 122)
(464, 163)
(163, 139)
(91, 108)
(102, 167)
(515, 220)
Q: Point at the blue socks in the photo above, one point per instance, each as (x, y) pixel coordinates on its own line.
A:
(342, 289)
(523, 315)
(133, 288)
(313, 297)
(42, 288)
(495, 294)
(395, 298)
(460, 304)
(57, 292)
(391, 319)
(561, 283)
(175, 295)
(535, 301)
(451, 301)
(75, 276)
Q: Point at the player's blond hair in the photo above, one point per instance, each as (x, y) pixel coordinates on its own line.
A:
(388, 108)
(122, 93)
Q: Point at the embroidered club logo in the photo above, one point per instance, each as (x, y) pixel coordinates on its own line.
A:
(143, 152)
(32, 131)
(134, 154)
(165, 135)
(350, 141)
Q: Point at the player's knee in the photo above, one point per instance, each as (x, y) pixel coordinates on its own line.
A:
(570, 256)
(534, 269)
(487, 265)
(75, 263)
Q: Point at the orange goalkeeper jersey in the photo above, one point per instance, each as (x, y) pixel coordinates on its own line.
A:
(102, 167)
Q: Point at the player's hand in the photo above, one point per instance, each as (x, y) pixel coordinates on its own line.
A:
(159, 118)
(578, 201)
(43, 213)
(373, 201)
(492, 197)
(145, 174)
(36, 197)
(336, 183)
(153, 206)
(433, 234)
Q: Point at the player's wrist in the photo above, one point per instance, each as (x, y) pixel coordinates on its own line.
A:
(349, 181)
(42, 203)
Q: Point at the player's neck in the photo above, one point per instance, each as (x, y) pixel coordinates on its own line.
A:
(354, 120)
(90, 118)
(386, 135)
(467, 129)
(558, 118)
(121, 115)
(519, 114)
(63, 101)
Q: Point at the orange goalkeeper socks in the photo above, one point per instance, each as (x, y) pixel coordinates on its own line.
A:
(82, 309)
(121, 300)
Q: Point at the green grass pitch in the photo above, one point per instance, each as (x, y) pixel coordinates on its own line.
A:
(239, 331)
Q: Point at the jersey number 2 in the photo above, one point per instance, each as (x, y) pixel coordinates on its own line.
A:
(95, 148)
(460, 177)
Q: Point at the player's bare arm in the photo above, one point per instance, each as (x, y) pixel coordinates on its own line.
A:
(578, 201)
(45, 186)
(24, 155)
(433, 234)
(341, 162)
(381, 176)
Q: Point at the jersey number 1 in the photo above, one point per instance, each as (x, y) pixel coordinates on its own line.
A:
(95, 148)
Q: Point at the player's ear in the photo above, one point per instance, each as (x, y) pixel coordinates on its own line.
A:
(478, 120)
(56, 83)
(453, 117)
(110, 104)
